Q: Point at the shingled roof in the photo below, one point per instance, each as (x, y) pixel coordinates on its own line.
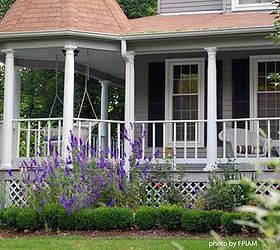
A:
(106, 16)
(102, 16)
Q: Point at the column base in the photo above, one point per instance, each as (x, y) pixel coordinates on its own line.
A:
(6, 166)
(210, 167)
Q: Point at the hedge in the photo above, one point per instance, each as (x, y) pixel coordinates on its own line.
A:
(146, 218)
(168, 217)
(201, 221)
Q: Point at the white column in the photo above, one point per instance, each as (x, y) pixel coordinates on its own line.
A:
(129, 115)
(68, 105)
(16, 112)
(211, 110)
(7, 135)
(104, 112)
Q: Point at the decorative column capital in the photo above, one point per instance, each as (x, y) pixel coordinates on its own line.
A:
(70, 50)
(104, 83)
(212, 51)
(130, 56)
(8, 52)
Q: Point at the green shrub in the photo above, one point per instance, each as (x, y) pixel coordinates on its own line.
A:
(8, 217)
(201, 221)
(112, 218)
(146, 217)
(55, 217)
(28, 219)
(170, 217)
(228, 222)
(84, 219)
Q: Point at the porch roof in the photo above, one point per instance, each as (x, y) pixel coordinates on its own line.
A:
(201, 22)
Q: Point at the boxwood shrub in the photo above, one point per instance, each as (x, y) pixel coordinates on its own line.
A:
(84, 219)
(146, 218)
(28, 219)
(112, 218)
(201, 221)
(8, 217)
(228, 222)
(169, 217)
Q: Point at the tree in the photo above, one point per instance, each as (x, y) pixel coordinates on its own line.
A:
(5, 6)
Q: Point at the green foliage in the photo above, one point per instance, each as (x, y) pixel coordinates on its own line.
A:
(169, 217)
(112, 218)
(27, 219)
(201, 221)
(5, 6)
(225, 192)
(8, 217)
(146, 218)
(138, 8)
(228, 221)
(84, 219)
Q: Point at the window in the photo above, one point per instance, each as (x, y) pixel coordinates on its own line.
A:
(266, 85)
(184, 94)
(252, 4)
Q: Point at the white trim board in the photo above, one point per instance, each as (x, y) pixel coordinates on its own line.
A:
(236, 6)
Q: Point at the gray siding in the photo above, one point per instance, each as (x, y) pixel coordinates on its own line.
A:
(177, 6)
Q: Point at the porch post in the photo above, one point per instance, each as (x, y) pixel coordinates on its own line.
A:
(129, 115)
(211, 110)
(16, 112)
(68, 105)
(104, 112)
(7, 134)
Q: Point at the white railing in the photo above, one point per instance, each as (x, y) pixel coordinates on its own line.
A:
(32, 137)
(181, 140)
(249, 138)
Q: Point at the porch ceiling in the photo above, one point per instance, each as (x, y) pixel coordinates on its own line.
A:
(104, 65)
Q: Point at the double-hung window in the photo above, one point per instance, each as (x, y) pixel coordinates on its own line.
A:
(185, 99)
(252, 4)
(265, 83)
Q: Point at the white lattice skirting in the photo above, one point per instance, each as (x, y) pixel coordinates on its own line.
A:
(12, 191)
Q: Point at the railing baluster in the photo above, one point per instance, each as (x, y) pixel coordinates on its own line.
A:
(279, 136)
(175, 139)
(196, 140)
(39, 139)
(224, 140)
(79, 130)
(99, 138)
(143, 131)
(164, 140)
(59, 137)
(28, 140)
(18, 138)
(119, 140)
(185, 140)
(154, 140)
(89, 139)
(258, 139)
(49, 138)
(246, 139)
(235, 139)
(269, 138)
(109, 140)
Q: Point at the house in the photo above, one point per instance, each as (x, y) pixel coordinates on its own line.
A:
(199, 78)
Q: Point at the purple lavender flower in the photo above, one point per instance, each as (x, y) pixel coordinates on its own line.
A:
(10, 172)
(111, 202)
(121, 186)
(96, 193)
(79, 188)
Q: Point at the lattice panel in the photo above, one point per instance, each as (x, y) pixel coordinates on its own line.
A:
(263, 188)
(154, 192)
(14, 193)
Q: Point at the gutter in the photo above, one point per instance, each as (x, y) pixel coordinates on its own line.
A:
(136, 36)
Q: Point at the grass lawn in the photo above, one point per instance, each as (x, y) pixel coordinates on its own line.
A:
(83, 243)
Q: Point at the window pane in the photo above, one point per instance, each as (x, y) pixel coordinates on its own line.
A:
(177, 87)
(176, 72)
(186, 86)
(261, 83)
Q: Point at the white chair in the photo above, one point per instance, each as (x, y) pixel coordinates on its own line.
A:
(241, 141)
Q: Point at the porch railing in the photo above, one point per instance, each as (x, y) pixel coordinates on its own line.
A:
(248, 138)
(164, 141)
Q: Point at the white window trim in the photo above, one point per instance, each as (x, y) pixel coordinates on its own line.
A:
(254, 60)
(235, 6)
(169, 100)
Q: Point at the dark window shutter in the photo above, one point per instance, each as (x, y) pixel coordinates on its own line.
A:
(240, 82)
(156, 101)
